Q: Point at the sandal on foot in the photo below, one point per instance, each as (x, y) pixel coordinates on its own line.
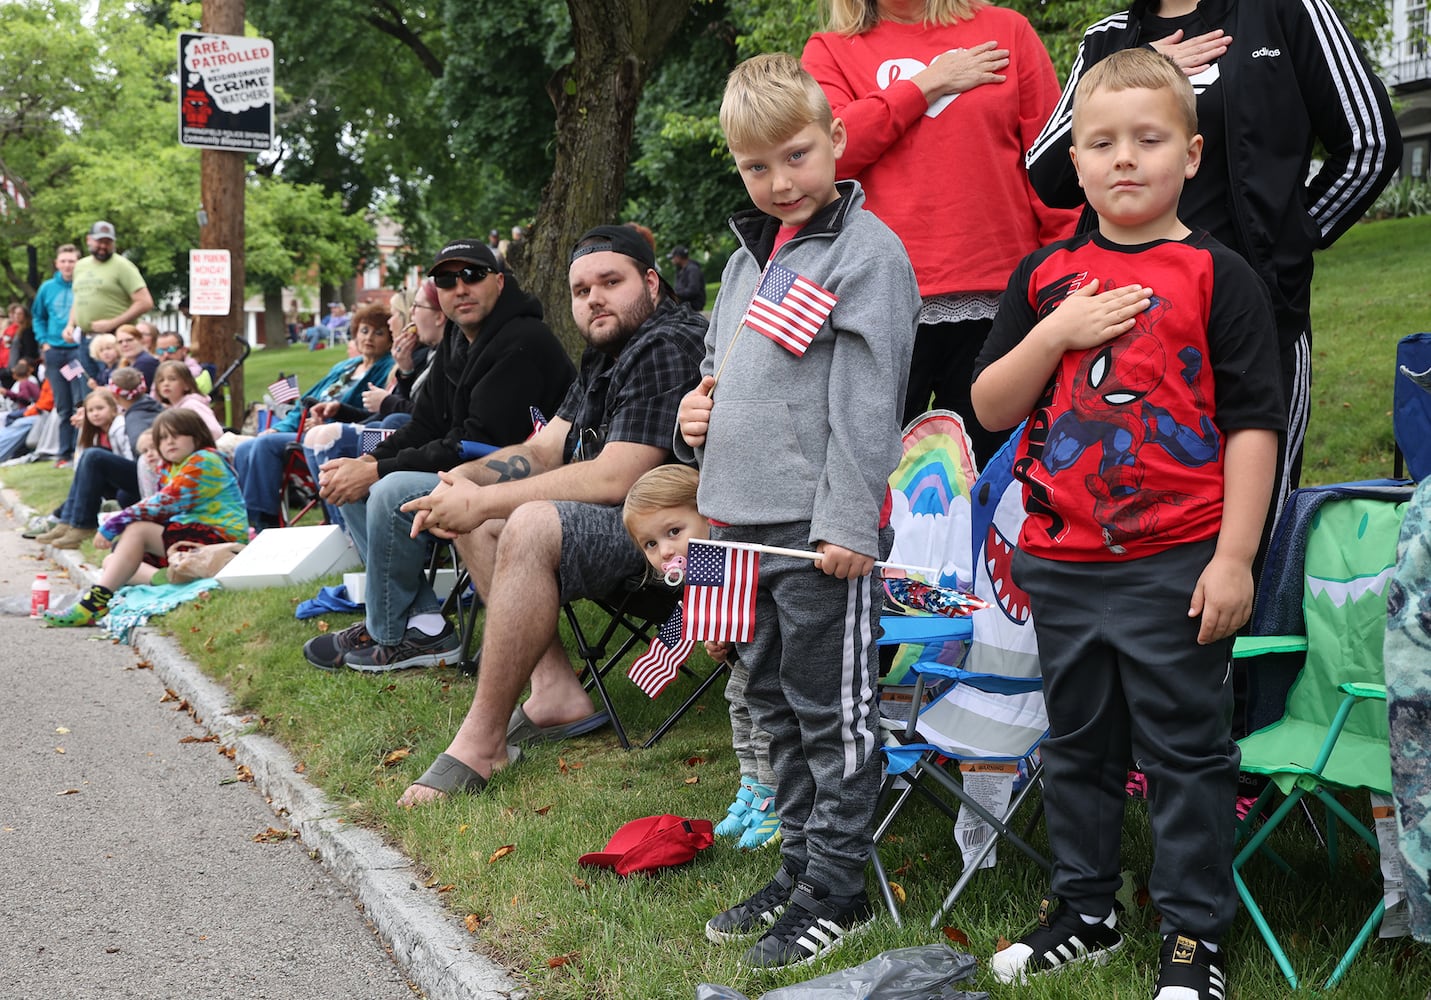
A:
(521, 730)
(449, 775)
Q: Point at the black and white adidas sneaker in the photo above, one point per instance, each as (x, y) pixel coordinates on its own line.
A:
(1058, 942)
(814, 924)
(1188, 971)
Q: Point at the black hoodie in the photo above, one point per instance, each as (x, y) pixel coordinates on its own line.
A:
(483, 391)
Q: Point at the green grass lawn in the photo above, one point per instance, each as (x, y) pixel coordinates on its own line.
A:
(508, 858)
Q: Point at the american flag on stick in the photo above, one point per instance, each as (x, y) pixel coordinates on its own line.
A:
(284, 389)
(72, 370)
(789, 309)
(659, 665)
(719, 603)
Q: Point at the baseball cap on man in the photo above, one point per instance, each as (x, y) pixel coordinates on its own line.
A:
(468, 252)
(678, 252)
(652, 843)
(618, 239)
(102, 230)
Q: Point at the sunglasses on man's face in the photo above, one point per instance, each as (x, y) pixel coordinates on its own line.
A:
(470, 275)
(166, 350)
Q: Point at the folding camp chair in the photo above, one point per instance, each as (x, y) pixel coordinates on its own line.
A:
(991, 711)
(1335, 550)
(633, 612)
(298, 490)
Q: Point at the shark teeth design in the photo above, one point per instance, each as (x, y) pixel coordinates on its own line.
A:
(1341, 592)
(998, 562)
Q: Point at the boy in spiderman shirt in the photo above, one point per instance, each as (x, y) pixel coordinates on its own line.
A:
(1145, 356)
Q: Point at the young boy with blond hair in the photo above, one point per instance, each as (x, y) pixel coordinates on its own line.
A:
(1145, 356)
(796, 428)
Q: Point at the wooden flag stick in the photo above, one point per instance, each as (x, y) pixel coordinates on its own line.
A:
(776, 550)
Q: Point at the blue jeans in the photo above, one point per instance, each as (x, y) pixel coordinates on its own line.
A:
(12, 437)
(259, 465)
(98, 474)
(396, 563)
(69, 393)
(348, 445)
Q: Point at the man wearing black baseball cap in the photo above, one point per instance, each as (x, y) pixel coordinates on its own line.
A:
(497, 362)
(539, 524)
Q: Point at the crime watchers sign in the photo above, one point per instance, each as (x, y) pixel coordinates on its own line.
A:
(225, 92)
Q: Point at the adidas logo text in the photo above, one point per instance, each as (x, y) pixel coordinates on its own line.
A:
(1264, 51)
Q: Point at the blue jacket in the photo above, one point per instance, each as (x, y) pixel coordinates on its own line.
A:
(51, 311)
(327, 388)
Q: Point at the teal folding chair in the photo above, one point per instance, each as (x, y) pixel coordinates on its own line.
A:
(1336, 547)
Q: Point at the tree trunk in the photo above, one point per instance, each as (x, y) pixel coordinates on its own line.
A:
(617, 46)
(273, 331)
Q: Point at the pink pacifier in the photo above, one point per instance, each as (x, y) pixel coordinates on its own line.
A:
(675, 570)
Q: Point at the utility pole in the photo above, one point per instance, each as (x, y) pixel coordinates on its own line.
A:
(221, 187)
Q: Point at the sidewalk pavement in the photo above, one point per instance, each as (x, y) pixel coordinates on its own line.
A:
(147, 882)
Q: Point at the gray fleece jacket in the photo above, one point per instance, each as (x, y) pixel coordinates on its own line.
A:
(810, 438)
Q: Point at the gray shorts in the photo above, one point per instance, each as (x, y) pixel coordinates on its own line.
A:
(597, 553)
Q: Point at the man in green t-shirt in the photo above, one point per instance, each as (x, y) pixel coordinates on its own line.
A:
(109, 290)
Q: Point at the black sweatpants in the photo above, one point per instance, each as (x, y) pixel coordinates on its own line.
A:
(1125, 679)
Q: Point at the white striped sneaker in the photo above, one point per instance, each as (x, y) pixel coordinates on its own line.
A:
(1188, 971)
(1056, 944)
(813, 924)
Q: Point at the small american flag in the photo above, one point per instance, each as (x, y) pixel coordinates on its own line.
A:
(719, 603)
(72, 370)
(285, 389)
(659, 665)
(370, 437)
(789, 309)
(538, 421)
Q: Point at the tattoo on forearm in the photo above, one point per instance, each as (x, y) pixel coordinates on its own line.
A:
(515, 467)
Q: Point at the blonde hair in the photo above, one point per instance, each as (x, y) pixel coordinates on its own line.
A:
(662, 488)
(855, 17)
(768, 98)
(1139, 69)
(99, 342)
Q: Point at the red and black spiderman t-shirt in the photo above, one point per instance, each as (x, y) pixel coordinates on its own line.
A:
(1122, 457)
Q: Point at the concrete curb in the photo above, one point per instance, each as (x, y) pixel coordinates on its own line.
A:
(430, 945)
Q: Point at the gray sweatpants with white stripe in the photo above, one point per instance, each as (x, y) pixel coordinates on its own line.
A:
(813, 667)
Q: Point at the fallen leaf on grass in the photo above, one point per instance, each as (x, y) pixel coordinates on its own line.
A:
(396, 756)
(322, 625)
(300, 767)
(694, 779)
(501, 852)
(446, 888)
(693, 761)
(209, 644)
(557, 961)
(580, 883)
(957, 936)
(542, 810)
(272, 835)
(69, 791)
(1002, 943)
(472, 921)
(462, 828)
(898, 891)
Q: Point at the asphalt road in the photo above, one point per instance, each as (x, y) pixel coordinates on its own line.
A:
(128, 865)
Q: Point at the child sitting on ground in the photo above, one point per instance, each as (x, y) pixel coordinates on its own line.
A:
(1145, 356)
(24, 388)
(198, 501)
(796, 424)
(661, 515)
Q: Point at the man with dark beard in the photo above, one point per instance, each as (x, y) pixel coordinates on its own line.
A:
(539, 524)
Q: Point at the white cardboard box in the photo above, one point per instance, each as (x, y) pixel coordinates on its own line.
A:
(357, 584)
(281, 556)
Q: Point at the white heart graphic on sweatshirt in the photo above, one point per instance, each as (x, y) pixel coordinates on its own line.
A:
(893, 70)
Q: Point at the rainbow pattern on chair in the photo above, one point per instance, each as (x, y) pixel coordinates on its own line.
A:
(930, 493)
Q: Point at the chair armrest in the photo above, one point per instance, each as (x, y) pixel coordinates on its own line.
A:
(1247, 646)
(1374, 691)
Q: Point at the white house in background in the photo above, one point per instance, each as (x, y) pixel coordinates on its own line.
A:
(1406, 68)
